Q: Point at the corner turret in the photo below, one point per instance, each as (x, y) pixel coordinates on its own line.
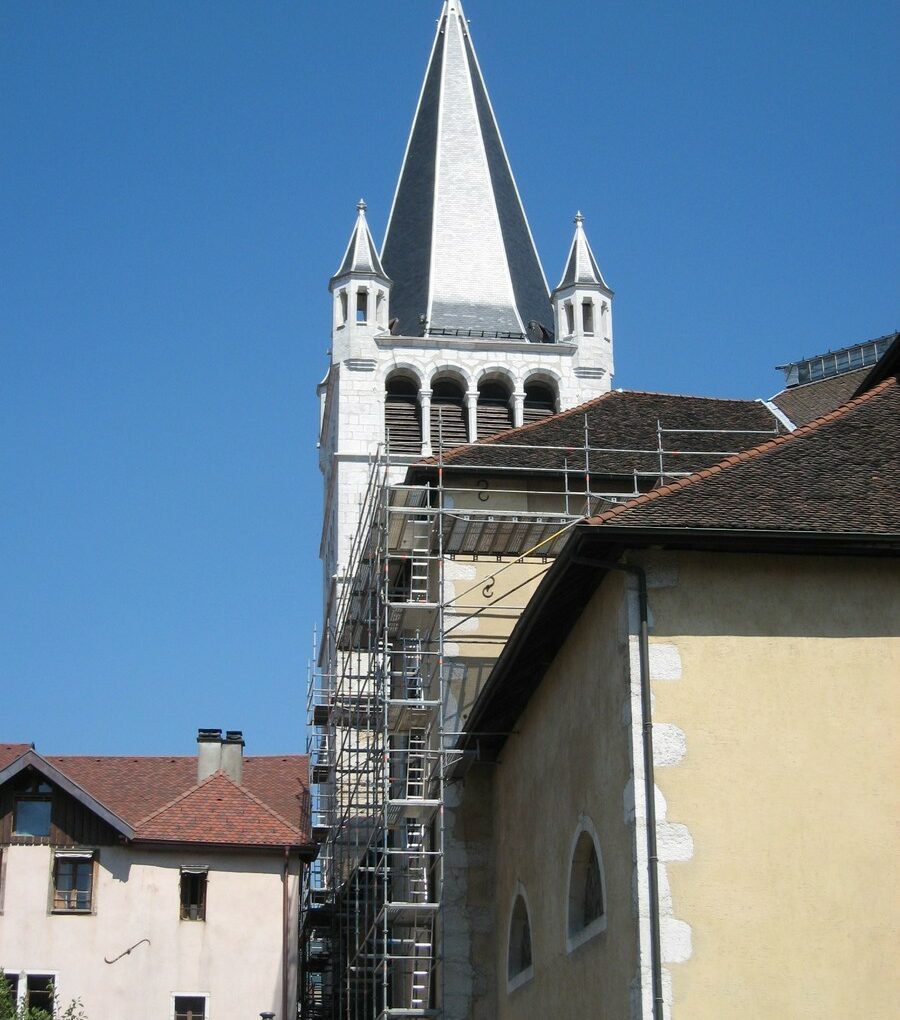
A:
(582, 308)
(361, 291)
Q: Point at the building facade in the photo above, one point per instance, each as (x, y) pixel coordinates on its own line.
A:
(154, 887)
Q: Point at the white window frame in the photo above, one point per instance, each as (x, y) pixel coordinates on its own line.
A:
(524, 976)
(190, 995)
(22, 976)
(599, 924)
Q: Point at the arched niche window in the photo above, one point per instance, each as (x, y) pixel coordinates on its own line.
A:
(362, 306)
(587, 317)
(402, 416)
(448, 407)
(342, 307)
(494, 412)
(540, 401)
(569, 310)
(587, 887)
(519, 958)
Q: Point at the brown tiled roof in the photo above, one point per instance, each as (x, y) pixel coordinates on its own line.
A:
(218, 811)
(135, 787)
(837, 475)
(623, 425)
(803, 404)
(162, 800)
(9, 753)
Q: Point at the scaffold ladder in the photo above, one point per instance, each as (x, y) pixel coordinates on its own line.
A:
(421, 547)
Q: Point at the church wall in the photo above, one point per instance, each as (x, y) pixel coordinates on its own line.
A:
(569, 760)
(775, 681)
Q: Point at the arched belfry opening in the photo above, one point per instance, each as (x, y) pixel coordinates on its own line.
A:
(540, 401)
(494, 407)
(402, 415)
(448, 412)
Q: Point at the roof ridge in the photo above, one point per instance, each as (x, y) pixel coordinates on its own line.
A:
(738, 458)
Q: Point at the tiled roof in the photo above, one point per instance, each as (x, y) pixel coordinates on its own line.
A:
(622, 432)
(273, 796)
(803, 404)
(9, 753)
(218, 811)
(837, 475)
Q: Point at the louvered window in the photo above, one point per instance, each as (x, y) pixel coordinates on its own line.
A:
(402, 416)
(540, 402)
(494, 414)
(448, 414)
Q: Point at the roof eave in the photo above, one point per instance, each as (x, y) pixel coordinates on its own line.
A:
(34, 760)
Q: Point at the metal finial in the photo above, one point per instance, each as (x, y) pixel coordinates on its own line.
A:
(579, 217)
(361, 205)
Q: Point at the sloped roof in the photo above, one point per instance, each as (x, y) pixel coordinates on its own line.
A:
(840, 474)
(622, 433)
(458, 247)
(9, 753)
(218, 811)
(805, 403)
(274, 793)
(833, 485)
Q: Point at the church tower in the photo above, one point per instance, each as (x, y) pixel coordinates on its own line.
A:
(451, 334)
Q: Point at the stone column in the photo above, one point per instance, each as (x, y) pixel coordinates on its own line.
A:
(518, 409)
(472, 409)
(425, 412)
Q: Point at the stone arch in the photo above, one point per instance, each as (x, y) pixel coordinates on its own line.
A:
(402, 413)
(519, 941)
(541, 396)
(586, 889)
(449, 413)
(495, 402)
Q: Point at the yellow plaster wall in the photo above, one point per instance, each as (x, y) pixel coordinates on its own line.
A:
(788, 700)
(570, 756)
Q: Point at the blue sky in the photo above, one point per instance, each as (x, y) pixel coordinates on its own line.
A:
(177, 183)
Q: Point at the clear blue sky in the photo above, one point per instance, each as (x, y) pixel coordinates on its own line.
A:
(178, 182)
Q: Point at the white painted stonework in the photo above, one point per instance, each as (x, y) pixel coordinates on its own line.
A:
(234, 956)
(674, 841)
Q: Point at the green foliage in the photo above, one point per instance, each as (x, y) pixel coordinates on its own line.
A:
(8, 1010)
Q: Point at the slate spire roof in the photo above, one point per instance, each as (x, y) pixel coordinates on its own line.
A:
(581, 266)
(458, 247)
(361, 257)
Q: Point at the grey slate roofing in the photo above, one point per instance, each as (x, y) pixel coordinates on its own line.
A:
(581, 266)
(361, 257)
(458, 247)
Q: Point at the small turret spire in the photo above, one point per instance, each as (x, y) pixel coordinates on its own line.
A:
(581, 266)
(361, 256)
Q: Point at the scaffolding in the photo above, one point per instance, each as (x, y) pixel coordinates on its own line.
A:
(384, 714)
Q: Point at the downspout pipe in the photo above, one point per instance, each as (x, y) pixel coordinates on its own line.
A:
(649, 778)
(285, 930)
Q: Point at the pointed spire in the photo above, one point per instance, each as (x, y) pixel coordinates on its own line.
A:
(458, 247)
(581, 266)
(361, 257)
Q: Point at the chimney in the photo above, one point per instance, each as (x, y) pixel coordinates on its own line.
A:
(233, 755)
(209, 753)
